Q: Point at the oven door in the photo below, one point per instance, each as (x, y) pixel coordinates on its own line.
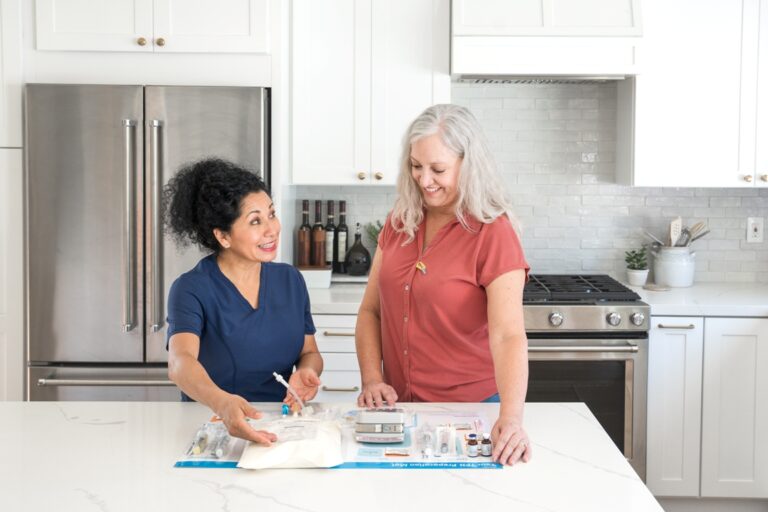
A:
(609, 375)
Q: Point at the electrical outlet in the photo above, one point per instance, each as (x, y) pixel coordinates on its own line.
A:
(755, 230)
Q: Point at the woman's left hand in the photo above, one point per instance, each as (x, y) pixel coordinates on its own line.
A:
(305, 382)
(510, 442)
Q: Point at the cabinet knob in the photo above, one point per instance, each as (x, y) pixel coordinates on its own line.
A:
(764, 177)
(160, 41)
(361, 176)
(141, 41)
(379, 176)
(748, 178)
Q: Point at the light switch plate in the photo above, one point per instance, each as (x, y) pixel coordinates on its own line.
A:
(755, 230)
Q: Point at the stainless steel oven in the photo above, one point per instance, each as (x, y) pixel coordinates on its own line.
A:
(591, 349)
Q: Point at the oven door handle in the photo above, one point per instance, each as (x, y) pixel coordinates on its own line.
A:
(583, 348)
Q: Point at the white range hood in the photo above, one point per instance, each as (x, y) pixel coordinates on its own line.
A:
(564, 40)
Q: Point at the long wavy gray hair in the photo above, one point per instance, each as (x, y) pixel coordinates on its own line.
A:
(481, 192)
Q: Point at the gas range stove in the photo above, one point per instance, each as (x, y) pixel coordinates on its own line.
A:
(582, 303)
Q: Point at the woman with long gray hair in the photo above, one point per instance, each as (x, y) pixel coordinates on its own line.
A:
(442, 315)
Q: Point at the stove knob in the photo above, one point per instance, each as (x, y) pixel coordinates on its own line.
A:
(637, 319)
(556, 319)
(613, 319)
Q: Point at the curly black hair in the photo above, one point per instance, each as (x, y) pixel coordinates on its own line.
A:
(205, 195)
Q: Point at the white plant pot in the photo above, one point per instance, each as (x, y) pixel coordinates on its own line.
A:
(637, 277)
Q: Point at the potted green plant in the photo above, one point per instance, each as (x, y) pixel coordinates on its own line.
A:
(637, 266)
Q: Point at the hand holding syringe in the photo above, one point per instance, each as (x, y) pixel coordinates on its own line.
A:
(303, 385)
(293, 393)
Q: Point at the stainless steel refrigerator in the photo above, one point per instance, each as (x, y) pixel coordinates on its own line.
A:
(98, 267)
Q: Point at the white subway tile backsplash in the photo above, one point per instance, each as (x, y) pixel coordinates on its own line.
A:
(555, 146)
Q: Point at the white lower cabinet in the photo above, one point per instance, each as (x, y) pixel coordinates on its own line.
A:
(708, 407)
(341, 375)
(675, 352)
(734, 441)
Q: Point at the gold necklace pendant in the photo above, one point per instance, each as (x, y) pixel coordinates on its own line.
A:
(421, 267)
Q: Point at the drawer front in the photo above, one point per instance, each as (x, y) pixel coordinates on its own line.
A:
(344, 362)
(331, 321)
(335, 333)
(339, 386)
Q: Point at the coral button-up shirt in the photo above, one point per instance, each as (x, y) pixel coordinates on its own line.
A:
(434, 308)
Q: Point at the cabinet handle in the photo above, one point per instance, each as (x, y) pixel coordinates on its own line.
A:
(379, 176)
(764, 177)
(748, 178)
(340, 334)
(689, 326)
(141, 41)
(342, 390)
(361, 176)
(160, 41)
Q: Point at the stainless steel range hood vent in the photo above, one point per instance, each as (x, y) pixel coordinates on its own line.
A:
(536, 80)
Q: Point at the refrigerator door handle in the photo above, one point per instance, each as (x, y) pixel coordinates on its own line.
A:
(103, 382)
(129, 228)
(156, 282)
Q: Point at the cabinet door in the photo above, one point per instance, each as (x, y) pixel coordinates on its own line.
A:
(11, 274)
(10, 74)
(409, 73)
(106, 25)
(330, 91)
(336, 340)
(734, 448)
(687, 107)
(754, 120)
(546, 18)
(674, 405)
(221, 26)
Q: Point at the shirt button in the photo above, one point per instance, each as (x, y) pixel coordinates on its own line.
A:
(407, 287)
(405, 352)
(405, 318)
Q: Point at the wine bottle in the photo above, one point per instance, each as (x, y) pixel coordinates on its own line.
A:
(340, 240)
(358, 258)
(318, 237)
(305, 236)
(330, 236)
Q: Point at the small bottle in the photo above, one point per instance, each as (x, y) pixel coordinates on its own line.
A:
(305, 236)
(340, 240)
(486, 448)
(472, 445)
(318, 237)
(358, 260)
(330, 232)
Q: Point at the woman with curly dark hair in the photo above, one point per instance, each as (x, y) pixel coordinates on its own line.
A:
(237, 316)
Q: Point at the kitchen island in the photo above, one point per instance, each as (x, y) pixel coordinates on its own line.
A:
(119, 456)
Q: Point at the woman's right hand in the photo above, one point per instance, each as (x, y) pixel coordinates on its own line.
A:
(233, 411)
(376, 394)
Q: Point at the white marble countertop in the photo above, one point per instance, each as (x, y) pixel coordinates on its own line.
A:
(119, 456)
(704, 299)
(709, 299)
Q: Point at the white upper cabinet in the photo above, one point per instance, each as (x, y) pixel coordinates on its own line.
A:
(361, 71)
(161, 25)
(734, 442)
(545, 37)
(753, 157)
(699, 97)
(676, 349)
(10, 74)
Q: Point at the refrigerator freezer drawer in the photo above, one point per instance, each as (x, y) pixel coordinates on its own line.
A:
(47, 383)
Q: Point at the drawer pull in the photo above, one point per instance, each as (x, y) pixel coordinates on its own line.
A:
(341, 334)
(689, 326)
(343, 390)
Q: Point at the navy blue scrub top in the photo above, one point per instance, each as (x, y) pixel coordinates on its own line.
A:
(241, 346)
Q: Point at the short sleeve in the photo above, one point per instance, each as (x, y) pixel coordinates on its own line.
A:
(385, 235)
(185, 312)
(500, 252)
(309, 324)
